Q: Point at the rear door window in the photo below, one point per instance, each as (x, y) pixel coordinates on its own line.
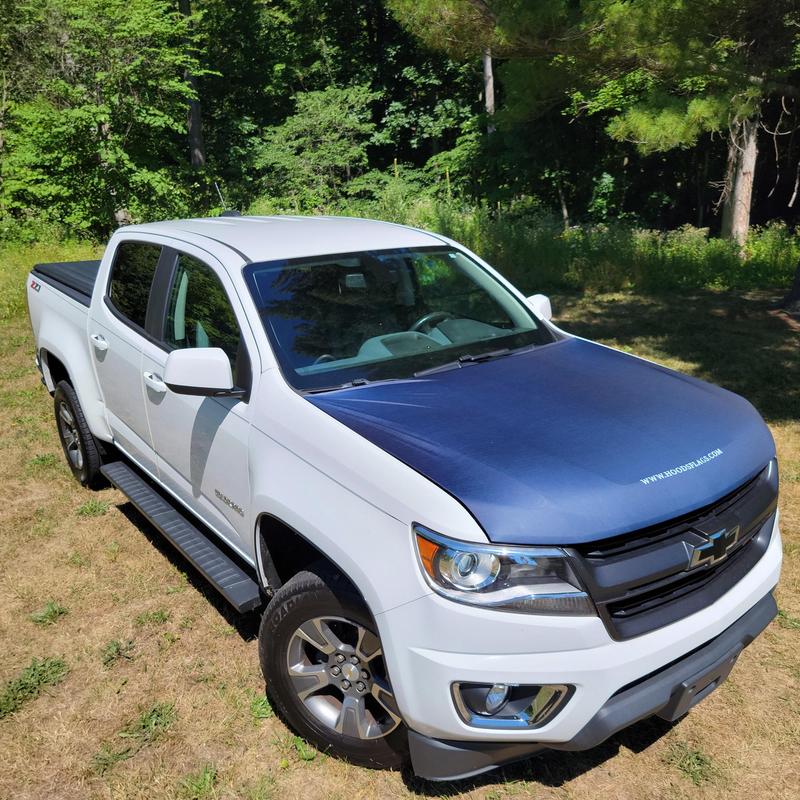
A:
(131, 278)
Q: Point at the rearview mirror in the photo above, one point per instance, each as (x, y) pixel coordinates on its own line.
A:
(540, 303)
(200, 371)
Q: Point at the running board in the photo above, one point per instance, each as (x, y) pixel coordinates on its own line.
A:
(230, 580)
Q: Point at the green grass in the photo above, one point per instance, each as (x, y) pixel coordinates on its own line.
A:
(30, 683)
(692, 763)
(49, 614)
(115, 651)
(304, 750)
(158, 617)
(17, 260)
(92, 508)
(41, 463)
(261, 708)
(199, 785)
(147, 728)
(788, 621)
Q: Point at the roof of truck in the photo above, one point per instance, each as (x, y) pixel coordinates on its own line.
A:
(270, 238)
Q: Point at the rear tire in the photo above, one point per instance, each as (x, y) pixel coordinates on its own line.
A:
(315, 634)
(77, 441)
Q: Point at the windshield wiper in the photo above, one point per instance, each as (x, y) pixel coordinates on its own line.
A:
(467, 358)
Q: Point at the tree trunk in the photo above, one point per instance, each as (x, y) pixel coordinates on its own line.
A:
(792, 300)
(197, 148)
(488, 87)
(742, 153)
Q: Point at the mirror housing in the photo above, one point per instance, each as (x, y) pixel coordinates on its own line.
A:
(200, 371)
(540, 303)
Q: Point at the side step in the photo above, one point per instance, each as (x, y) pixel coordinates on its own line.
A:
(232, 582)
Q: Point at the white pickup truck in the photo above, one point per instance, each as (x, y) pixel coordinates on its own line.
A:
(472, 534)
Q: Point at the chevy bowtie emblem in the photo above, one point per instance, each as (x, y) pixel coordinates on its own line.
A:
(715, 548)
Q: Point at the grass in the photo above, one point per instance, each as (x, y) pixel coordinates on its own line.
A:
(30, 683)
(147, 728)
(692, 763)
(93, 508)
(49, 614)
(115, 651)
(199, 785)
(261, 708)
(788, 621)
(158, 617)
(748, 730)
(42, 463)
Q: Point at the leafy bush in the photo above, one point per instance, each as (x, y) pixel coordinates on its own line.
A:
(533, 250)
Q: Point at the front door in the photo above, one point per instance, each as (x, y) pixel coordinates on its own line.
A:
(201, 443)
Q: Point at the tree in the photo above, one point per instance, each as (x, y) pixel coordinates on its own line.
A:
(97, 142)
(663, 72)
(310, 157)
(197, 149)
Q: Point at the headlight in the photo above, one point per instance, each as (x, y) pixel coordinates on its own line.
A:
(527, 579)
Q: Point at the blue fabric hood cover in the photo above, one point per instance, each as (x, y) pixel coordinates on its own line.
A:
(557, 446)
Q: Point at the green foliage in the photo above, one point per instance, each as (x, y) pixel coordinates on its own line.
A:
(304, 750)
(788, 621)
(49, 614)
(93, 508)
(159, 616)
(310, 157)
(260, 708)
(199, 785)
(692, 763)
(38, 675)
(147, 728)
(115, 651)
(87, 147)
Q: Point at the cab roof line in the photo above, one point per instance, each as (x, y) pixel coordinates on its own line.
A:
(236, 250)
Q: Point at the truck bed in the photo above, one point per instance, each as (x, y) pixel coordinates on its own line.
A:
(76, 279)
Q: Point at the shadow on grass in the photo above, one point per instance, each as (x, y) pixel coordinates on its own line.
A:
(736, 341)
(549, 767)
(246, 625)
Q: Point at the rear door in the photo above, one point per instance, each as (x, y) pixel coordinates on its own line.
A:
(118, 329)
(202, 442)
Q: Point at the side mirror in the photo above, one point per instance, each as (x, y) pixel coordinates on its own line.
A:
(540, 303)
(200, 371)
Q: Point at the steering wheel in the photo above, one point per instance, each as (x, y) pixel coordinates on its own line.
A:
(429, 321)
(324, 358)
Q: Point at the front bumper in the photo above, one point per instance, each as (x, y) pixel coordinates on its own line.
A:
(669, 694)
(432, 642)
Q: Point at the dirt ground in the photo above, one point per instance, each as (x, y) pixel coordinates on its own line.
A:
(163, 694)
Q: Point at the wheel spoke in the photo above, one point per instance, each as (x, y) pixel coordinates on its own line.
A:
(66, 416)
(319, 634)
(308, 679)
(384, 696)
(368, 645)
(352, 719)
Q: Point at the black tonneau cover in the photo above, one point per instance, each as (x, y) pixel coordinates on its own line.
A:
(76, 279)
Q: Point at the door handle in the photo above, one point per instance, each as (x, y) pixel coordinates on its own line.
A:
(99, 342)
(155, 382)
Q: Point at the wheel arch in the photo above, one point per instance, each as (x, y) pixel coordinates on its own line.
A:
(281, 551)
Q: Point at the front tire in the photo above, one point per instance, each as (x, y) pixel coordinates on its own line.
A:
(325, 672)
(80, 448)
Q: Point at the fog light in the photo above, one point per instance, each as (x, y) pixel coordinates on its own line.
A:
(501, 705)
(496, 698)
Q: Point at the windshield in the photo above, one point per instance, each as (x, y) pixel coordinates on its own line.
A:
(387, 314)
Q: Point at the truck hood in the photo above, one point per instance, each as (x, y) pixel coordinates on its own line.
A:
(568, 443)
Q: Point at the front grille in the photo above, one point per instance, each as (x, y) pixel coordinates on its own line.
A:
(643, 581)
